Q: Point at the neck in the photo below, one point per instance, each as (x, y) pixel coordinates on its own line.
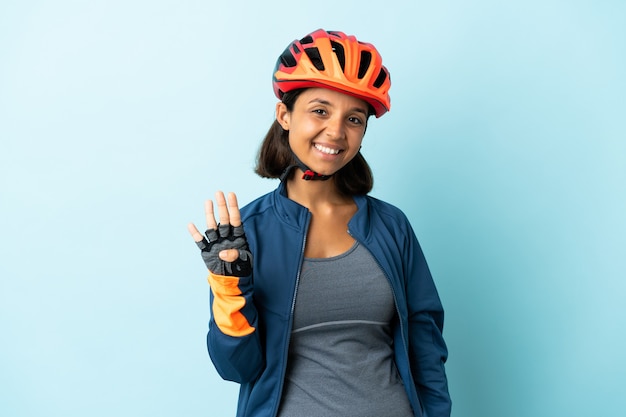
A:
(312, 194)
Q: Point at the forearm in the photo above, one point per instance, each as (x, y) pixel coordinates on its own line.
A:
(430, 353)
(233, 339)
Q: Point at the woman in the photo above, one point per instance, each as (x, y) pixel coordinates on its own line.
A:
(325, 305)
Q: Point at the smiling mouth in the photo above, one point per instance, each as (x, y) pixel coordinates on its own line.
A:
(326, 150)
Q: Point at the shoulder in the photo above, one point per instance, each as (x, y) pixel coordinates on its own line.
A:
(386, 211)
(257, 207)
(376, 218)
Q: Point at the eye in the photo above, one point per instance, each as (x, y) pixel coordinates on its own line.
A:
(355, 120)
(321, 112)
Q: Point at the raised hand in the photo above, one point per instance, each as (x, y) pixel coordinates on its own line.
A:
(224, 247)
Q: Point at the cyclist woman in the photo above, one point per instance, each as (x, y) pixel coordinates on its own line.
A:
(322, 301)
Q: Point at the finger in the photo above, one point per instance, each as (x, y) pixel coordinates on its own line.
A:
(235, 216)
(222, 208)
(211, 235)
(210, 215)
(229, 255)
(195, 234)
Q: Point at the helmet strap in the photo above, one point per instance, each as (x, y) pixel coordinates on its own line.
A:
(309, 174)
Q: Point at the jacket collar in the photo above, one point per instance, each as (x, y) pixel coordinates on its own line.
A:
(297, 216)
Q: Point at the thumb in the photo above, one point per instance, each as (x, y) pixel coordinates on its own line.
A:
(229, 255)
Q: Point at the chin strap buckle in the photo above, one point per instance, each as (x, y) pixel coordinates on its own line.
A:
(311, 175)
(308, 175)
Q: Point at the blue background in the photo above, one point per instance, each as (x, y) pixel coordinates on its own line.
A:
(506, 147)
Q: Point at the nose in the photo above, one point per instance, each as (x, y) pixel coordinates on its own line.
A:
(335, 128)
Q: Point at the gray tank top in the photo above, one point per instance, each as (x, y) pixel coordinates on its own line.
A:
(341, 351)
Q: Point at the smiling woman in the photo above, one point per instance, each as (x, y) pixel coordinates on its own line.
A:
(325, 128)
(276, 158)
(322, 301)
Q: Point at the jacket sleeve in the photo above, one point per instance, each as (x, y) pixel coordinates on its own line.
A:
(233, 340)
(426, 344)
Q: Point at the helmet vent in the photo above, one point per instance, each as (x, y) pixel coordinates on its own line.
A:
(306, 40)
(382, 76)
(287, 59)
(339, 51)
(364, 64)
(316, 59)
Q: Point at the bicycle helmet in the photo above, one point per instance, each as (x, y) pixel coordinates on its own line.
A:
(337, 61)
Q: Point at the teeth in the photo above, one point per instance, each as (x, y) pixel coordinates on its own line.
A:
(326, 150)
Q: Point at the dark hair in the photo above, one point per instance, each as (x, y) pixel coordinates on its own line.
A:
(275, 156)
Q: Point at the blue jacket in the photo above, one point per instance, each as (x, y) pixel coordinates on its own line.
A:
(255, 353)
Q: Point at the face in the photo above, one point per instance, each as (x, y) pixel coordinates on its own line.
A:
(325, 127)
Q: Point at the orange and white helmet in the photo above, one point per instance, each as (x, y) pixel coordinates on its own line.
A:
(337, 61)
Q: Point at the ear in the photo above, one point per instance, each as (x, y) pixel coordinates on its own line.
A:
(282, 115)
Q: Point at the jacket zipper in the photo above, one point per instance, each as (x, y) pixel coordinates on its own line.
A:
(293, 307)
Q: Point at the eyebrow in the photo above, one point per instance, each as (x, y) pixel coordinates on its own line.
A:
(328, 103)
